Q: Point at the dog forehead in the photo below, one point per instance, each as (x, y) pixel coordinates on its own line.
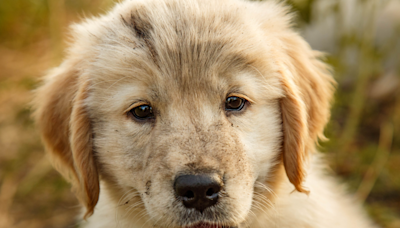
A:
(178, 39)
(179, 49)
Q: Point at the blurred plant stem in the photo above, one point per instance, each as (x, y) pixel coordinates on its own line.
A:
(366, 70)
(396, 114)
(381, 158)
(35, 175)
(7, 192)
(56, 24)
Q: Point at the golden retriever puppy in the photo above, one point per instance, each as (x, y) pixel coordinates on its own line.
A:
(195, 114)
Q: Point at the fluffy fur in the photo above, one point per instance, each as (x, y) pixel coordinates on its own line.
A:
(184, 58)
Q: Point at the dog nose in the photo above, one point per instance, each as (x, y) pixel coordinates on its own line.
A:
(197, 191)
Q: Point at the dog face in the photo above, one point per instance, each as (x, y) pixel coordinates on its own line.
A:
(183, 107)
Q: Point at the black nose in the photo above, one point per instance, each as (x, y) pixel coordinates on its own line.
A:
(197, 191)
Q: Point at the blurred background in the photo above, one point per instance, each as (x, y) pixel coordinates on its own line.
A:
(361, 37)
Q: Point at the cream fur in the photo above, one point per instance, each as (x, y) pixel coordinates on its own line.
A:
(184, 58)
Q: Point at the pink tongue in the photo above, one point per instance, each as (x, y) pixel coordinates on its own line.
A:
(205, 225)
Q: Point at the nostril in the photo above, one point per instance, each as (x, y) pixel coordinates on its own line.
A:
(189, 195)
(210, 192)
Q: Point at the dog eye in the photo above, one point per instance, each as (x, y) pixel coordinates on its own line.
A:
(234, 103)
(142, 112)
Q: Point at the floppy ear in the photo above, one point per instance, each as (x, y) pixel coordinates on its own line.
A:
(65, 127)
(306, 82)
(308, 88)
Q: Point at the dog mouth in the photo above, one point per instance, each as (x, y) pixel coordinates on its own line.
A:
(209, 225)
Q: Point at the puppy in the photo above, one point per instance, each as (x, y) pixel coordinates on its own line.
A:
(195, 114)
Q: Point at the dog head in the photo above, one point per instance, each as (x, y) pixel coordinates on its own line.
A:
(185, 106)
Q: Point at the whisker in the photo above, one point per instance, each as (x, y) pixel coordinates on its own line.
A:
(124, 197)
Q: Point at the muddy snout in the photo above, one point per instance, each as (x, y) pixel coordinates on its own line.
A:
(199, 191)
